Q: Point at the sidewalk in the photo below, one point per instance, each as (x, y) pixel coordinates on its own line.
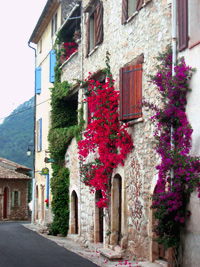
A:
(89, 251)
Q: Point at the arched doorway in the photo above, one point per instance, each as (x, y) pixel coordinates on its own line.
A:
(5, 202)
(98, 226)
(74, 213)
(116, 210)
(36, 203)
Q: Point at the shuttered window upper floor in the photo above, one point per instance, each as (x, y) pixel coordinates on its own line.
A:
(94, 26)
(130, 8)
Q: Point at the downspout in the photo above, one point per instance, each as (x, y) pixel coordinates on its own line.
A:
(33, 176)
(174, 57)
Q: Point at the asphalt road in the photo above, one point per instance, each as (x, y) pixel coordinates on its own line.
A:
(21, 247)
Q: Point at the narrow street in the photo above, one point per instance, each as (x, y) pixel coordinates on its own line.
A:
(21, 247)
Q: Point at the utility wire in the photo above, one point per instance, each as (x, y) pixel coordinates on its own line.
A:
(24, 110)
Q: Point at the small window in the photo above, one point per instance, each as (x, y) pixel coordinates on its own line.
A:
(94, 32)
(54, 25)
(16, 199)
(130, 92)
(129, 7)
(39, 135)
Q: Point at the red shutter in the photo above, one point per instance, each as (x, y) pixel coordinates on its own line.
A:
(182, 24)
(99, 24)
(88, 37)
(130, 92)
(139, 4)
(124, 11)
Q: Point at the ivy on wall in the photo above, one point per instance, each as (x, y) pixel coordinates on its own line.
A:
(64, 127)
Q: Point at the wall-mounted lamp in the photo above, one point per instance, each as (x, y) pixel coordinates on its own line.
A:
(28, 152)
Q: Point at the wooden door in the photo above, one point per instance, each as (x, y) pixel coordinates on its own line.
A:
(5, 203)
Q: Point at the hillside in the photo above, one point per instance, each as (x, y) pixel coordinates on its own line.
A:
(16, 133)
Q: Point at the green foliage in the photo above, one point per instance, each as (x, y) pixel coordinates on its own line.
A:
(60, 203)
(64, 127)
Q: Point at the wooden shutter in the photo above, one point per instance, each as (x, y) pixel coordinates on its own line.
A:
(52, 64)
(124, 11)
(38, 80)
(182, 24)
(88, 37)
(99, 24)
(139, 4)
(130, 92)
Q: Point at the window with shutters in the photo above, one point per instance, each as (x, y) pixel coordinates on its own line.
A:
(130, 92)
(39, 135)
(131, 8)
(182, 24)
(94, 31)
(194, 23)
(16, 199)
(54, 25)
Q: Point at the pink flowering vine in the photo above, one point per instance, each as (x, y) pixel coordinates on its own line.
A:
(171, 196)
(105, 137)
(68, 49)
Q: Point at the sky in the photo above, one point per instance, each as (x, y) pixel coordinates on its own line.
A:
(17, 65)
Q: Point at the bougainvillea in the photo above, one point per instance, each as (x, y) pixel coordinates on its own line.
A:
(178, 172)
(105, 139)
(68, 49)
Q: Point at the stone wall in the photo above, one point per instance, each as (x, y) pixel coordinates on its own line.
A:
(147, 33)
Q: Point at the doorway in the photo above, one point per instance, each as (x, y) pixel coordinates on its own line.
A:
(98, 226)
(74, 213)
(5, 202)
(116, 210)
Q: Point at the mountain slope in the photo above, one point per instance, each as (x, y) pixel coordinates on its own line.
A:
(16, 133)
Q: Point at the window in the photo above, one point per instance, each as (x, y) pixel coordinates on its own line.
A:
(94, 34)
(39, 135)
(16, 198)
(38, 80)
(182, 24)
(129, 7)
(54, 25)
(194, 23)
(40, 46)
(130, 92)
(52, 64)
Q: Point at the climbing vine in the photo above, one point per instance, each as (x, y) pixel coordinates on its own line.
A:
(64, 127)
(105, 137)
(173, 191)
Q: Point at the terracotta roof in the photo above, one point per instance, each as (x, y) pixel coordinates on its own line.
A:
(14, 164)
(10, 174)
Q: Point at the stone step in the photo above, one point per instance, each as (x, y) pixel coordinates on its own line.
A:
(148, 264)
(162, 263)
(110, 254)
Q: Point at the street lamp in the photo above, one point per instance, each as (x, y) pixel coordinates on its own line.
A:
(28, 152)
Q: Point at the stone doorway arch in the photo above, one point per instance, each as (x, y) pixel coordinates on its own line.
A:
(74, 213)
(116, 210)
(98, 224)
(5, 202)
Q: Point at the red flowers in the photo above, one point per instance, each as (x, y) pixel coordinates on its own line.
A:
(68, 50)
(105, 138)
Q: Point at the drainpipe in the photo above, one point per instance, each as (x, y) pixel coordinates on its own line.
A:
(33, 176)
(174, 38)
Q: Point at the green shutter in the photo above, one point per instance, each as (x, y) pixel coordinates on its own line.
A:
(19, 199)
(13, 199)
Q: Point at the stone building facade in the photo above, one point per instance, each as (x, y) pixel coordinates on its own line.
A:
(133, 32)
(13, 191)
(135, 41)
